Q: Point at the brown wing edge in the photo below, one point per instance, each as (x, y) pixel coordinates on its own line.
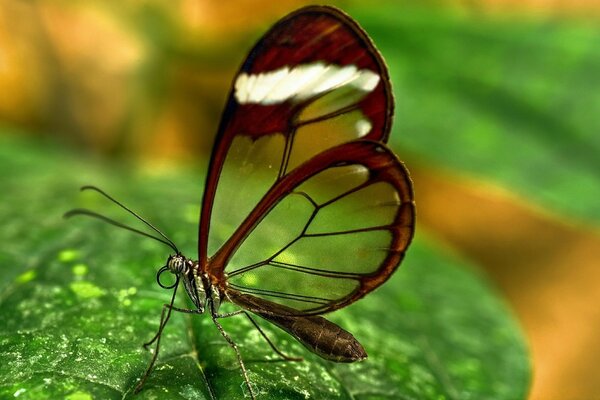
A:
(221, 144)
(383, 165)
(361, 36)
(366, 42)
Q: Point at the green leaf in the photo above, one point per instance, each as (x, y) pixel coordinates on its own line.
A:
(79, 297)
(508, 100)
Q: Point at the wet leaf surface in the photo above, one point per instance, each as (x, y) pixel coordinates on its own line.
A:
(78, 298)
(508, 100)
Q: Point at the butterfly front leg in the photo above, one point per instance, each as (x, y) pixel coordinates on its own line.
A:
(164, 318)
(163, 323)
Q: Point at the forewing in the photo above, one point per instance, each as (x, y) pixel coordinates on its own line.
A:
(313, 82)
(326, 234)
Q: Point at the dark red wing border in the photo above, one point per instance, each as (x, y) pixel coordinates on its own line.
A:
(383, 166)
(311, 34)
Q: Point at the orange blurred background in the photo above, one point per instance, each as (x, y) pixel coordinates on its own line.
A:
(147, 80)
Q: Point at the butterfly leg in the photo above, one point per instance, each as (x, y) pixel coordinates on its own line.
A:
(229, 314)
(275, 349)
(164, 318)
(162, 323)
(237, 353)
(262, 333)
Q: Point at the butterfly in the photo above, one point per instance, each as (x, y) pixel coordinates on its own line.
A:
(305, 209)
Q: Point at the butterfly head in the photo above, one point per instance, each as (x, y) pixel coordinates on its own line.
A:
(195, 285)
(178, 264)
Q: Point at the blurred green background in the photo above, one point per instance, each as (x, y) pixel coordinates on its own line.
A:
(497, 119)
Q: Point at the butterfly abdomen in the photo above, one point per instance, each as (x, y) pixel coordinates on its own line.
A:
(320, 336)
(325, 339)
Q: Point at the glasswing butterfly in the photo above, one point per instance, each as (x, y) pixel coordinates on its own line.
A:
(305, 209)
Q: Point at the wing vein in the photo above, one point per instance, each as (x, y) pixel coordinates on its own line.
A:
(282, 295)
(351, 231)
(314, 271)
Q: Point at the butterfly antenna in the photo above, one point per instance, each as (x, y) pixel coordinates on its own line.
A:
(89, 213)
(164, 239)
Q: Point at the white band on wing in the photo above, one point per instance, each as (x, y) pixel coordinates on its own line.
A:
(300, 83)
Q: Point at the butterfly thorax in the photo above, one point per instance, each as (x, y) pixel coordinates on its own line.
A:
(197, 284)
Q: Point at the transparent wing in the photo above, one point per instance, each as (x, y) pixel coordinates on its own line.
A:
(326, 234)
(313, 82)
